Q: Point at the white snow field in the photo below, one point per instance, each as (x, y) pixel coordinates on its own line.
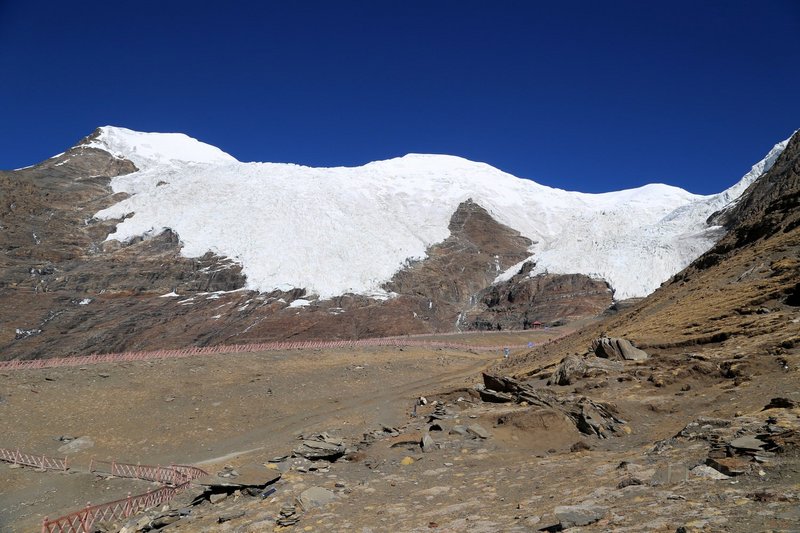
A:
(345, 230)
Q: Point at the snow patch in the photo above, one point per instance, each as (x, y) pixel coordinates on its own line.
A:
(334, 231)
(300, 302)
(146, 150)
(25, 333)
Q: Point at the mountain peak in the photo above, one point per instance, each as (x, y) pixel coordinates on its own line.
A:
(150, 149)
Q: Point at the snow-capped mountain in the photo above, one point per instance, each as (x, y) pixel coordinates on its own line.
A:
(343, 230)
(146, 241)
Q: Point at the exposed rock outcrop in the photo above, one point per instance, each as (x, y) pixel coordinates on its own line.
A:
(525, 302)
(572, 367)
(590, 417)
(614, 348)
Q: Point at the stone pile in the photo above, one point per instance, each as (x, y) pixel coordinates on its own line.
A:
(738, 446)
(288, 516)
(321, 447)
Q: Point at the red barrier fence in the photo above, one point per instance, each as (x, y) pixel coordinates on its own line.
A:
(239, 348)
(37, 461)
(170, 475)
(83, 521)
(189, 471)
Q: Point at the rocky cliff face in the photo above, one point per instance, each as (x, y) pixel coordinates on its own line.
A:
(451, 278)
(769, 205)
(65, 289)
(523, 300)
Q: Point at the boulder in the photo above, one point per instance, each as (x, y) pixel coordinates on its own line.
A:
(578, 515)
(520, 392)
(781, 403)
(138, 523)
(249, 476)
(321, 447)
(459, 430)
(427, 443)
(708, 472)
(218, 497)
(617, 348)
(315, 497)
(478, 431)
(164, 520)
(572, 367)
(489, 395)
(595, 418)
(669, 474)
(748, 443)
(77, 445)
(230, 516)
(730, 466)
(188, 497)
(495, 383)
(404, 440)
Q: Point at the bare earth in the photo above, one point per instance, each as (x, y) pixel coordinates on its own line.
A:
(196, 410)
(247, 409)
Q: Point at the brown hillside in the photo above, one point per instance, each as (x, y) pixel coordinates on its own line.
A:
(740, 297)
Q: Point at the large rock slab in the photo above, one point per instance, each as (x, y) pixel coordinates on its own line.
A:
(578, 515)
(321, 447)
(478, 431)
(730, 466)
(617, 348)
(427, 443)
(77, 445)
(748, 443)
(571, 368)
(669, 474)
(249, 476)
(489, 395)
(315, 497)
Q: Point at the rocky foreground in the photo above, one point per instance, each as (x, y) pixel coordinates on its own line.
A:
(628, 442)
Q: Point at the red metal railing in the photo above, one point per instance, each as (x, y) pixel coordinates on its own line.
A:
(189, 471)
(239, 348)
(27, 459)
(171, 475)
(84, 520)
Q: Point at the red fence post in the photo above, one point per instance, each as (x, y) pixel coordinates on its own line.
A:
(85, 518)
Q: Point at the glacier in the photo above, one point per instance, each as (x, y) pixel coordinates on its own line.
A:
(343, 230)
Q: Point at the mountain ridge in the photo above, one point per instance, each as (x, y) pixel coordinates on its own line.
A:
(67, 286)
(378, 216)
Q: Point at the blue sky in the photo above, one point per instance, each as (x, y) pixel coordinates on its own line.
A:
(587, 96)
